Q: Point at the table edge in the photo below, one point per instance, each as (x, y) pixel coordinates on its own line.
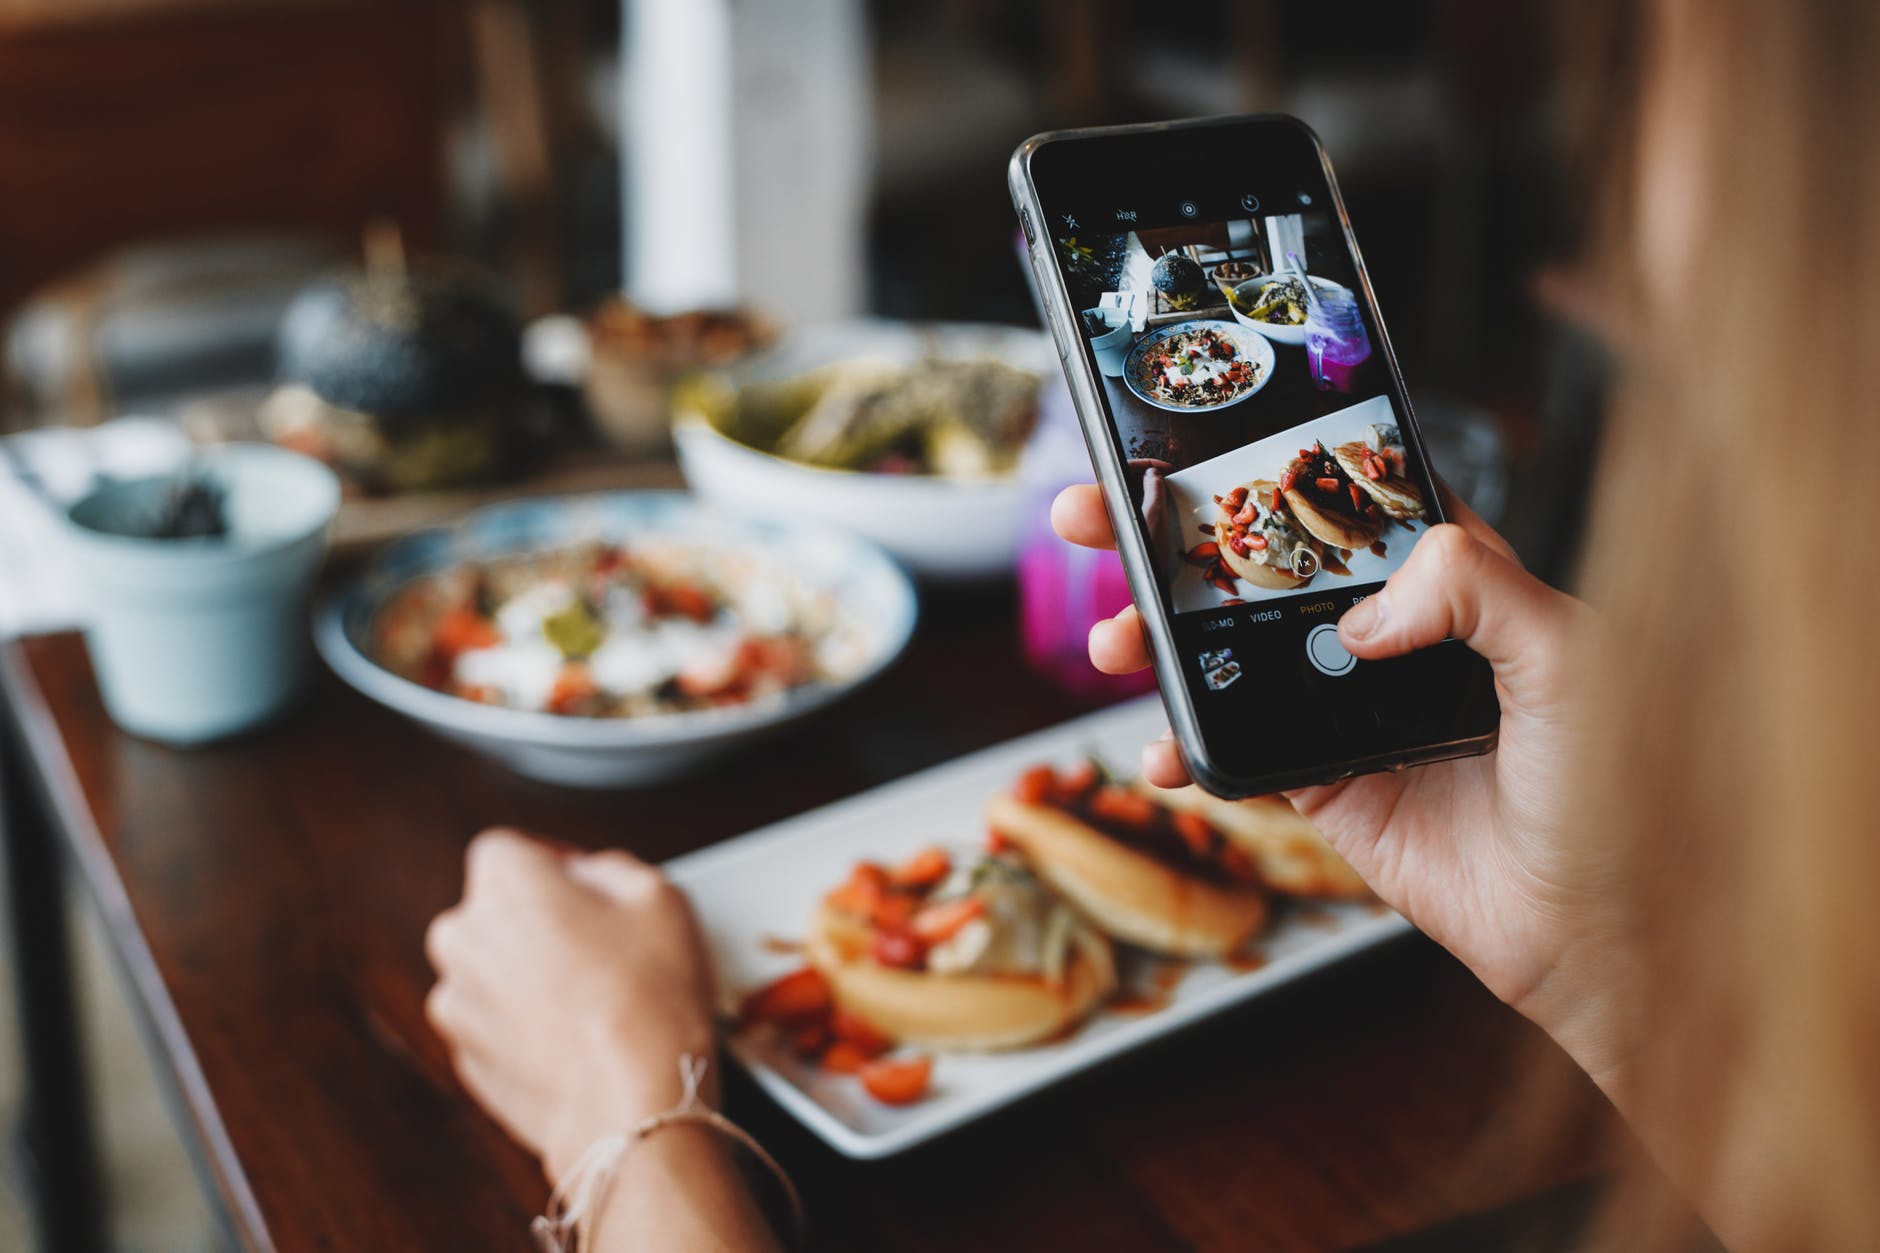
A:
(64, 804)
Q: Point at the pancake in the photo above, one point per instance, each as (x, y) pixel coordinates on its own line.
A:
(1252, 569)
(1292, 856)
(1128, 893)
(1329, 517)
(1394, 494)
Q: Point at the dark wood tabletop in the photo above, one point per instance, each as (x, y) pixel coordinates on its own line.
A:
(268, 897)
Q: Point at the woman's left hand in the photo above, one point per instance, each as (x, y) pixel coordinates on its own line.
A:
(569, 985)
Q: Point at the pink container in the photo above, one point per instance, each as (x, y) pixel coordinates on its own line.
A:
(1065, 590)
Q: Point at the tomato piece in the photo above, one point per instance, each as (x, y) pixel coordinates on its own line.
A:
(843, 1058)
(997, 842)
(923, 870)
(1238, 544)
(1115, 803)
(1079, 778)
(1195, 832)
(1237, 497)
(1236, 862)
(572, 686)
(684, 600)
(938, 923)
(898, 1080)
(797, 999)
(1257, 543)
(1206, 550)
(863, 1034)
(899, 949)
(1036, 785)
(464, 629)
(1325, 484)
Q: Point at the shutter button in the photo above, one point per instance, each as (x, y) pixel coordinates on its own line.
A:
(1325, 653)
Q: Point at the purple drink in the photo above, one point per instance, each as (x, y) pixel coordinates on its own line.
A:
(1336, 342)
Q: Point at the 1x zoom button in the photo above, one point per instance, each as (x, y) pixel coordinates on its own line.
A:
(1325, 653)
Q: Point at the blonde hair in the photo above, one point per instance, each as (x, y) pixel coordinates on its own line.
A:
(1738, 755)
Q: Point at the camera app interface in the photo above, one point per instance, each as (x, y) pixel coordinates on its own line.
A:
(1239, 367)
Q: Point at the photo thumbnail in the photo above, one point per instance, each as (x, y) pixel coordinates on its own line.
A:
(1325, 503)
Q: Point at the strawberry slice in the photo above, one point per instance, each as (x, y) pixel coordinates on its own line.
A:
(799, 998)
(843, 1058)
(1036, 785)
(923, 870)
(862, 1034)
(898, 1081)
(937, 924)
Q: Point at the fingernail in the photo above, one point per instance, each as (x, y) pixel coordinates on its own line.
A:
(1364, 619)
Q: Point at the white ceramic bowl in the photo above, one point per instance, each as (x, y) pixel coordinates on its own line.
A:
(1279, 334)
(943, 529)
(876, 605)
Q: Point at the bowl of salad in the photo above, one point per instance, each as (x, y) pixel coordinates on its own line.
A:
(907, 433)
(1275, 305)
(1198, 366)
(615, 639)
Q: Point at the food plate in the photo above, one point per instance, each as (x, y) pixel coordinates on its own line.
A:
(944, 529)
(1250, 347)
(872, 604)
(752, 892)
(1192, 508)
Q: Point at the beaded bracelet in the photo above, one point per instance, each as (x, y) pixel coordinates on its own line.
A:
(583, 1190)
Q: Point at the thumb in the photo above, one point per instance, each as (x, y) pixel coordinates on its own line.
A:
(1454, 586)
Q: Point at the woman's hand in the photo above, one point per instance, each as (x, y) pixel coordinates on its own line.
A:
(1479, 853)
(569, 985)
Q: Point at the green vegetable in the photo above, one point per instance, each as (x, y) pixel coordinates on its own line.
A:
(575, 631)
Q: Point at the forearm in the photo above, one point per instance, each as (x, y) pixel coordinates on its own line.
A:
(1592, 1010)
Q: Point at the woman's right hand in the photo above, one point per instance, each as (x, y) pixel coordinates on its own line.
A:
(1481, 853)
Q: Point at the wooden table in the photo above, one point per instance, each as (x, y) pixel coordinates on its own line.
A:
(267, 898)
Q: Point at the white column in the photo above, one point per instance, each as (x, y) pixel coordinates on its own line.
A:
(746, 133)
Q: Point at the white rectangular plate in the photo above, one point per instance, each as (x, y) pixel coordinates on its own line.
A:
(760, 888)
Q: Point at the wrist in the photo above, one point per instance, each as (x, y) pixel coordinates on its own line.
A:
(1587, 1003)
(622, 1077)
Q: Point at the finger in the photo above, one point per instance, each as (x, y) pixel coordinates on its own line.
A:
(1455, 586)
(503, 857)
(1162, 764)
(1078, 516)
(617, 875)
(439, 1009)
(1468, 519)
(1117, 645)
(443, 938)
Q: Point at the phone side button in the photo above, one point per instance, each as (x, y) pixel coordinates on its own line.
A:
(1326, 654)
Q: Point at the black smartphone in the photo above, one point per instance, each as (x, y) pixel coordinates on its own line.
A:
(1250, 431)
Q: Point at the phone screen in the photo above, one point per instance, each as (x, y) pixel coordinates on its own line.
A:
(1263, 436)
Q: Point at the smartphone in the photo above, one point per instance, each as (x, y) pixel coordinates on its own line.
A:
(1253, 440)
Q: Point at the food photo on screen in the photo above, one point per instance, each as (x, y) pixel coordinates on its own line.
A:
(1236, 364)
(1330, 500)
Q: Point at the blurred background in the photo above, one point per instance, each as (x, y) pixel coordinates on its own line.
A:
(180, 171)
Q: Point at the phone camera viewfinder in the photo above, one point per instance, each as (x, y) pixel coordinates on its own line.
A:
(1190, 209)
